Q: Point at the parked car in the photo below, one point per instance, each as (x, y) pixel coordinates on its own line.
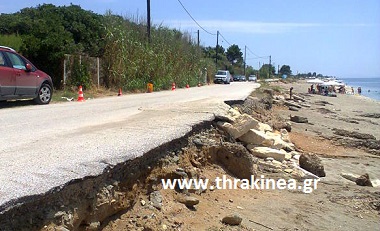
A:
(242, 78)
(236, 78)
(20, 79)
(222, 76)
(252, 78)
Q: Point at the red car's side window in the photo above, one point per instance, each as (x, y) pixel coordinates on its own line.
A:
(2, 59)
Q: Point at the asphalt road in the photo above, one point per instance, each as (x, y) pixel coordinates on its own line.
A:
(42, 147)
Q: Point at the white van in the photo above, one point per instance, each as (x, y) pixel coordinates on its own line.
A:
(222, 76)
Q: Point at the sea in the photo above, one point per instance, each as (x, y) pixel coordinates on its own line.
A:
(370, 86)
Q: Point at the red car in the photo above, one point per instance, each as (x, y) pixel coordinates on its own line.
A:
(20, 79)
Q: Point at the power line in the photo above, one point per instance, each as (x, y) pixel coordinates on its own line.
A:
(253, 53)
(194, 19)
(262, 57)
(225, 39)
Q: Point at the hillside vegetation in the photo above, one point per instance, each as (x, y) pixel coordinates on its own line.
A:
(44, 34)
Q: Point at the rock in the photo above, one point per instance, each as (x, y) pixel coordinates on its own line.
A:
(264, 127)
(278, 142)
(353, 134)
(350, 176)
(188, 200)
(296, 157)
(236, 159)
(285, 135)
(264, 152)
(142, 202)
(296, 97)
(279, 97)
(234, 219)
(61, 228)
(270, 159)
(270, 164)
(290, 104)
(233, 112)
(241, 126)
(288, 156)
(299, 119)
(93, 226)
(371, 115)
(282, 124)
(225, 118)
(300, 173)
(288, 170)
(257, 138)
(156, 199)
(375, 183)
(180, 172)
(364, 180)
(291, 108)
(312, 163)
(59, 214)
(305, 105)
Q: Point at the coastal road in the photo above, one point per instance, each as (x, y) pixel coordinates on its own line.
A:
(42, 147)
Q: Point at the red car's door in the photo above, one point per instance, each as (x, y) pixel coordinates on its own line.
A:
(26, 81)
(7, 78)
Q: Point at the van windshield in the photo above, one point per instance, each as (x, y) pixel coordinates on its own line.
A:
(221, 73)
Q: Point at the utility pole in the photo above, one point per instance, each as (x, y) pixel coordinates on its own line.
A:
(216, 49)
(245, 53)
(198, 38)
(148, 23)
(270, 60)
(270, 66)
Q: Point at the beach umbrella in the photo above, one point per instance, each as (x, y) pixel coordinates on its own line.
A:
(315, 81)
(332, 83)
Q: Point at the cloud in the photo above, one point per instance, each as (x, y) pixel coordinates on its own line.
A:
(250, 27)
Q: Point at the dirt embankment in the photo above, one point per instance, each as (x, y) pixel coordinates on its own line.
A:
(131, 196)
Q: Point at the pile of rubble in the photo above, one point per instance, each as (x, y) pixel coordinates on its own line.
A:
(273, 149)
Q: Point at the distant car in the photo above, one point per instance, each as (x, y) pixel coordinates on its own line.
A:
(20, 79)
(242, 78)
(222, 76)
(252, 78)
(236, 78)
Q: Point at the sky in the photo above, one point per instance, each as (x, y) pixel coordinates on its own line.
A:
(333, 37)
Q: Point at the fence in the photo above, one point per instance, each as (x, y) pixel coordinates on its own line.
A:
(92, 64)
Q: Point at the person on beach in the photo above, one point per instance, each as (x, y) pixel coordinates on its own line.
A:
(352, 90)
(291, 92)
(359, 90)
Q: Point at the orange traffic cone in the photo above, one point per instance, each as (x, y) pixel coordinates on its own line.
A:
(120, 93)
(80, 95)
(173, 86)
(187, 86)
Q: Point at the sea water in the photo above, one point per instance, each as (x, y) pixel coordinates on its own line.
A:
(370, 86)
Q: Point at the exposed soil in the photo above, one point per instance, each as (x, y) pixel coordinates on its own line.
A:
(337, 204)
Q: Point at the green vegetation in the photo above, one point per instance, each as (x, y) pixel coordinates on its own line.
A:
(46, 33)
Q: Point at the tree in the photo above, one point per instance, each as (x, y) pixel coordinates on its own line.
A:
(266, 71)
(234, 54)
(48, 32)
(285, 70)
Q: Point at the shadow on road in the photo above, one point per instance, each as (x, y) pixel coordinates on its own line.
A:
(16, 103)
